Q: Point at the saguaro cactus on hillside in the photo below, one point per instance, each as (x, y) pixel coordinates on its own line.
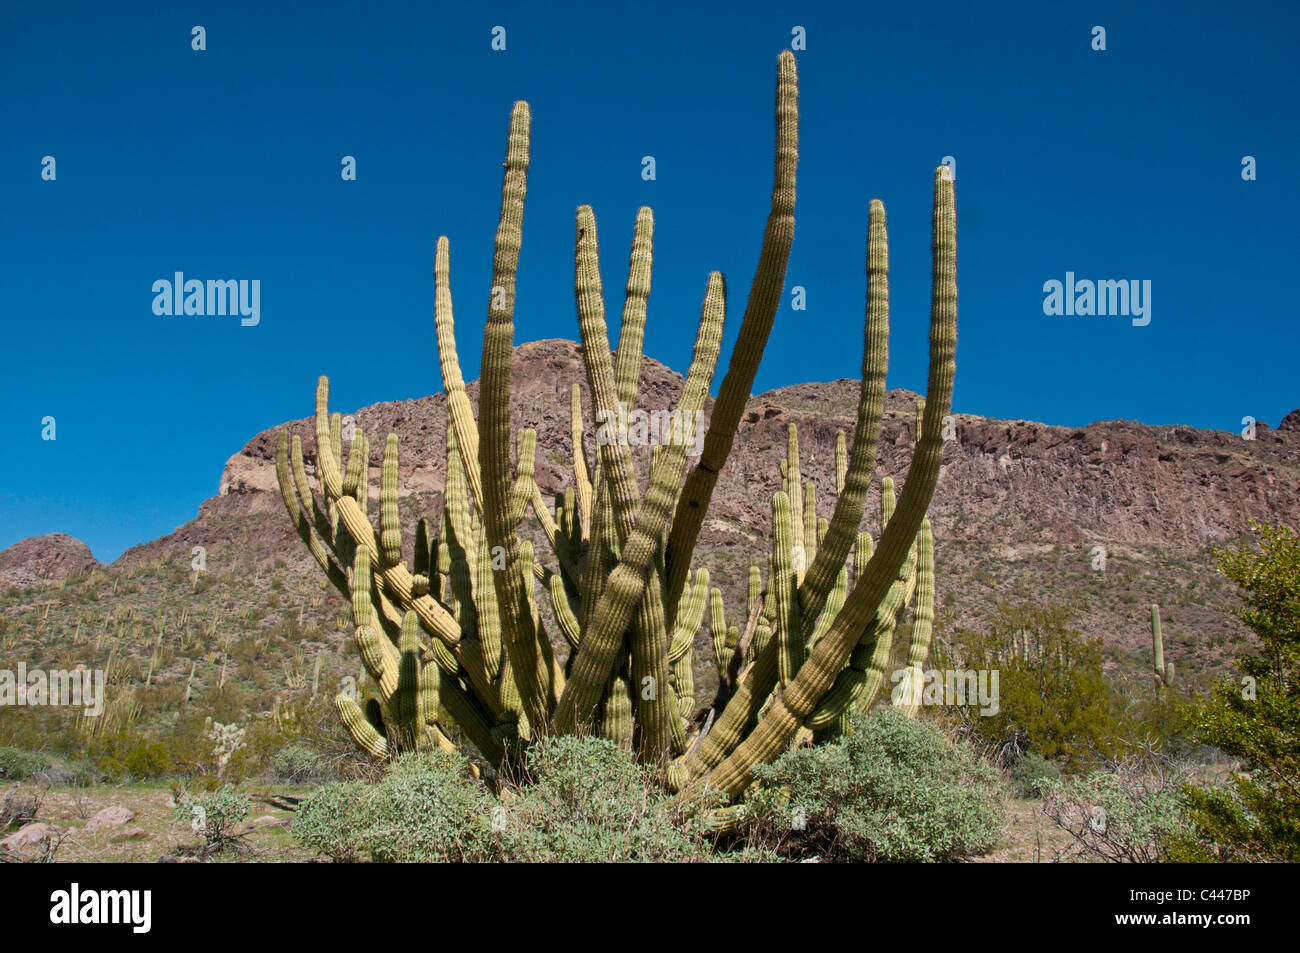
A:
(459, 637)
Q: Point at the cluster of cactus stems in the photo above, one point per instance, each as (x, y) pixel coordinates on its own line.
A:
(1163, 671)
(459, 636)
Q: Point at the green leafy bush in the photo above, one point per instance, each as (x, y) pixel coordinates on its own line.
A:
(333, 820)
(584, 800)
(18, 765)
(590, 802)
(892, 789)
(1032, 773)
(1131, 812)
(215, 816)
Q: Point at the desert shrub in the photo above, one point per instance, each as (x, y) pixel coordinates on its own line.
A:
(333, 820)
(1052, 695)
(18, 765)
(297, 764)
(1130, 812)
(215, 816)
(892, 789)
(1031, 775)
(590, 802)
(429, 809)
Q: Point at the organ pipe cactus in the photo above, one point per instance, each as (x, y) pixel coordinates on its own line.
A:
(458, 638)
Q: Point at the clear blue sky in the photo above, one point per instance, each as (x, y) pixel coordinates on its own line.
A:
(226, 164)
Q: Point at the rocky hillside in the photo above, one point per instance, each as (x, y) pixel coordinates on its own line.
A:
(39, 559)
(1018, 513)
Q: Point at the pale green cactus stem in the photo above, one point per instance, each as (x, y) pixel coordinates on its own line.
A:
(390, 527)
(794, 484)
(797, 702)
(922, 623)
(627, 583)
(755, 327)
(789, 633)
(1164, 671)
(580, 527)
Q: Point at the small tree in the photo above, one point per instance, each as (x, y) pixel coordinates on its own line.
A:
(1053, 698)
(1257, 816)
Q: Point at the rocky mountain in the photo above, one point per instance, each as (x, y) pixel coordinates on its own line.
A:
(1019, 512)
(39, 559)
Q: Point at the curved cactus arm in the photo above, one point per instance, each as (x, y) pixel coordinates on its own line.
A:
(361, 730)
(459, 411)
(860, 680)
(855, 481)
(563, 611)
(434, 617)
(631, 332)
(602, 639)
(756, 326)
(828, 658)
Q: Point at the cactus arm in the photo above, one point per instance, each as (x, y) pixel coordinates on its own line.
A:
(923, 621)
(756, 326)
(618, 475)
(852, 497)
(788, 633)
(631, 332)
(390, 527)
(459, 411)
(532, 677)
(581, 481)
(290, 491)
(828, 658)
(364, 733)
(603, 638)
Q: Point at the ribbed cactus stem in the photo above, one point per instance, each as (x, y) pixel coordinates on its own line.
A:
(1164, 671)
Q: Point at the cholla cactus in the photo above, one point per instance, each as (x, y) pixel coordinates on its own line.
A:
(459, 636)
(227, 739)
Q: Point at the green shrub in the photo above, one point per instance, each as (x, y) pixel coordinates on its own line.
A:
(18, 765)
(296, 764)
(590, 802)
(428, 809)
(214, 816)
(1031, 775)
(333, 820)
(1131, 812)
(893, 789)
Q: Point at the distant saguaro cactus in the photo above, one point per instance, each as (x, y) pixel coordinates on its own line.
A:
(1164, 671)
(460, 636)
